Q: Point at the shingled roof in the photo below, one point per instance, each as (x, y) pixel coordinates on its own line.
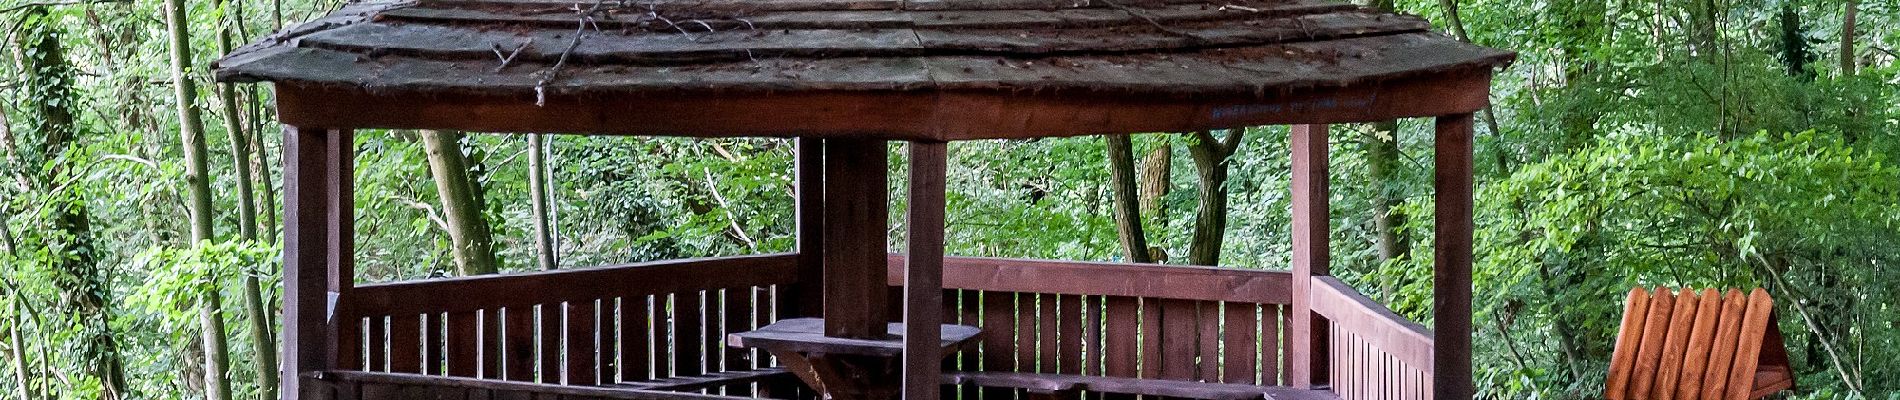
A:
(1163, 48)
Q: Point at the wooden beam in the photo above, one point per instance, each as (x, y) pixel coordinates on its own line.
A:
(1306, 334)
(894, 115)
(923, 277)
(472, 293)
(809, 170)
(1451, 257)
(319, 263)
(1082, 278)
(857, 212)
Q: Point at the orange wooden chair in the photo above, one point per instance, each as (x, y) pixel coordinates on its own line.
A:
(1692, 345)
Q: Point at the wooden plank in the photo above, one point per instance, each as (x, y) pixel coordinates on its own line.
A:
(857, 199)
(737, 304)
(1069, 345)
(1379, 326)
(1741, 376)
(1110, 279)
(809, 184)
(1272, 317)
(1628, 339)
(1701, 338)
(688, 320)
(636, 341)
(487, 291)
(432, 343)
(1094, 347)
(494, 353)
(1180, 340)
(999, 336)
(1207, 318)
(923, 279)
(1675, 347)
(463, 344)
(319, 240)
(378, 343)
(405, 343)
(1121, 345)
(582, 326)
(507, 104)
(1649, 356)
(1312, 225)
(1728, 336)
(1153, 336)
(1240, 335)
(519, 343)
(1048, 333)
(548, 319)
(1451, 257)
(1026, 327)
(500, 389)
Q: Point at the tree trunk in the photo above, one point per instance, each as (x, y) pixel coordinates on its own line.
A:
(78, 276)
(217, 355)
(538, 191)
(474, 248)
(1210, 221)
(1848, 21)
(198, 184)
(1382, 161)
(1121, 168)
(1157, 170)
(16, 347)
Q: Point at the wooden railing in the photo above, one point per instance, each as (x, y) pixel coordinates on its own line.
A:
(1122, 320)
(353, 385)
(1375, 354)
(589, 326)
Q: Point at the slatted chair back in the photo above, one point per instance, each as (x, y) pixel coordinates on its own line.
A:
(1698, 345)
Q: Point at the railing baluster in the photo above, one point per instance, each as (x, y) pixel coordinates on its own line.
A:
(688, 320)
(579, 351)
(405, 343)
(462, 342)
(1240, 331)
(1121, 348)
(520, 343)
(635, 343)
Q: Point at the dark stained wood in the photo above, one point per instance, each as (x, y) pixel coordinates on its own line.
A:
(999, 331)
(923, 278)
(405, 343)
(1451, 258)
(1177, 339)
(1306, 334)
(432, 343)
(378, 385)
(1207, 315)
(1148, 387)
(462, 344)
(549, 317)
(1069, 349)
(471, 293)
(1240, 333)
(954, 115)
(1048, 334)
(520, 343)
(737, 304)
(1152, 339)
(1095, 348)
(809, 182)
(857, 202)
(712, 380)
(319, 243)
(378, 344)
(1112, 279)
(1027, 325)
(582, 324)
(1120, 345)
(1372, 323)
(636, 342)
(688, 349)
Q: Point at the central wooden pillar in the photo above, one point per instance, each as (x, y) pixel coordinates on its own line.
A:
(923, 272)
(856, 251)
(319, 262)
(1307, 360)
(1451, 259)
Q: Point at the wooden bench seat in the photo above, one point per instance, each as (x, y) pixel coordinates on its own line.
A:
(711, 380)
(1066, 386)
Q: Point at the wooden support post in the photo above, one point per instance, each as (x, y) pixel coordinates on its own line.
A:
(857, 212)
(1451, 255)
(923, 272)
(319, 266)
(810, 208)
(1306, 336)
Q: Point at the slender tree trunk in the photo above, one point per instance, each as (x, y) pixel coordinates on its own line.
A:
(78, 275)
(1382, 160)
(538, 190)
(16, 347)
(198, 182)
(264, 345)
(1121, 168)
(1848, 22)
(1210, 221)
(474, 248)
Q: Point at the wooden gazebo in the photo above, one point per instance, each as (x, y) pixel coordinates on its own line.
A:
(844, 78)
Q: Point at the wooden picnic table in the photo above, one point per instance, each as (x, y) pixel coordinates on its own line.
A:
(844, 368)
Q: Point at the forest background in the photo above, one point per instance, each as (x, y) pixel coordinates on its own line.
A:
(1682, 143)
